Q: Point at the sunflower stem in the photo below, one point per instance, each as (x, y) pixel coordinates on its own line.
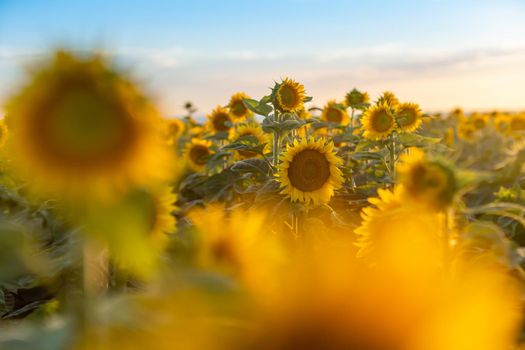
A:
(392, 158)
(276, 139)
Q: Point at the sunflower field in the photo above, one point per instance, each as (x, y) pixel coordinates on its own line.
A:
(366, 224)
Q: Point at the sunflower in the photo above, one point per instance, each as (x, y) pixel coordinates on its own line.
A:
(467, 132)
(250, 129)
(174, 129)
(309, 171)
(219, 120)
(82, 130)
(388, 98)
(408, 117)
(378, 122)
(479, 121)
(428, 181)
(335, 113)
(288, 96)
(162, 220)
(357, 99)
(517, 123)
(502, 123)
(197, 153)
(237, 108)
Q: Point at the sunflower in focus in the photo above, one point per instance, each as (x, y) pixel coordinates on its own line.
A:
(219, 120)
(250, 129)
(83, 130)
(388, 98)
(197, 153)
(357, 99)
(288, 95)
(408, 117)
(428, 181)
(174, 129)
(334, 112)
(238, 109)
(378, 122)
(309, 171)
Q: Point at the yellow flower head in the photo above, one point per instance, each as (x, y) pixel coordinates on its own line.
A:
(288, 96)
(394, 224)
(309, 171)
(237, 108)
(335, 113)
(236, 242)
(174, 129)
(467, 132)
(356, 99)
(517, 123)
(81, 130)
(378, 122)
(197, 153)
(388, 98)
(479, 121)
(219, 120)
(427, 181)
(250, 129)
(408, 117)
(502, 123)
(304, 114)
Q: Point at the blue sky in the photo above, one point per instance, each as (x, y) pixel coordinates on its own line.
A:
(440, 53)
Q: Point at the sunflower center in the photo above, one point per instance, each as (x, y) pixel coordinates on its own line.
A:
(198, 154)
(382, 121)
(238, 108)
(288, 96)
(406, 117)
(81, 128)
(479, 123)
(309, 170)
(334, 115)
(219, 122)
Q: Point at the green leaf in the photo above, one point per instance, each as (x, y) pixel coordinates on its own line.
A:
(261, 108)
(411, 140)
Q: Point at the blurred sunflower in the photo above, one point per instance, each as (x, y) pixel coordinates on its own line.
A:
(467, 132)
(4, 133)
(162, 219)
(357, 99)
(81, 129)
(408, 117)
(250, 129)
(237, 108)
(479, 121)
(309, 171)
(219, 120)
(388, 98)
(517, 123)
(502, 123)
(428, 181)
(304, 114)
(378, 122)
(174, 129)
(197, 153)
(288, 96)
(335, 113)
